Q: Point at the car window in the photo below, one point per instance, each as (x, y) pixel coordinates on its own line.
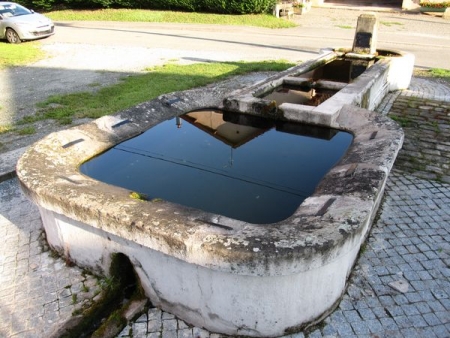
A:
(5, 13)
(10, 10)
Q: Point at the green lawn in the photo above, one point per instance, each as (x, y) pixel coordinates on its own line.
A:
(133, 15)
(443, 74)
(16, 55)
(140, 88)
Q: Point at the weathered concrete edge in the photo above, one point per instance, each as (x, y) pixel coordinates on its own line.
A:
(307, 257)
(49, 174)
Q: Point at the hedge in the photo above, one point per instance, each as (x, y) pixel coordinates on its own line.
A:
(212, 6)
(432, 4)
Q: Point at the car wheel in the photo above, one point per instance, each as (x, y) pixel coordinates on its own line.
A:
(12, 36)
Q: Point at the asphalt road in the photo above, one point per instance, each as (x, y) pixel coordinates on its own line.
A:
(427, 37)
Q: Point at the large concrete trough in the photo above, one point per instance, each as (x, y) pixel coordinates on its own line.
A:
(215, 272)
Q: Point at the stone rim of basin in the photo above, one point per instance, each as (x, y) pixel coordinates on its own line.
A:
(326, 223)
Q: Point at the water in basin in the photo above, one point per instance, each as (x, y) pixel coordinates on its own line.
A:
(300, 95)
(240, 166)
(342, 70)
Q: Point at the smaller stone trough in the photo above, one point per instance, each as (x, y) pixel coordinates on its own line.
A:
(222, 274)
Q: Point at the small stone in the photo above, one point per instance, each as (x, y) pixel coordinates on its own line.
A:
(135, 308)
(400, 285)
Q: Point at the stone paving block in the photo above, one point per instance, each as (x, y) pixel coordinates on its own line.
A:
(418, 321)
(366, 314)
(411, 332)
(443, 316)
(344, 328)
(315, 334)
(346, 304)
(361, 328)
(427, 332)
(352, 316)
(214, 335)
(436, 306)
(445, 303)
(185, 333)
(154, 325)
(403, 322)
(154, 335)
(388, 324)
(169, 324)
(169, 334)
(125, 332)
(432, 319)
(329, 331)
(395, 311)
(182, 325)
(200, 333)
(441, 331)
(139, 329)
(166, 315)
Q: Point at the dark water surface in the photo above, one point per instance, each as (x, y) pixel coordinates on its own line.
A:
(251, 169)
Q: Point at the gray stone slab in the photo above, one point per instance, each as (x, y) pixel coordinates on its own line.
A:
(8, 163)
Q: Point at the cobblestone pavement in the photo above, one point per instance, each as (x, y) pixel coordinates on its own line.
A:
(400, 286)
(38, 292)
(426, 150)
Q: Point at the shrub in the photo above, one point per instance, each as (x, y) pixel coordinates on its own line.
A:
(434, 4)
(212, 6)
(39, 5)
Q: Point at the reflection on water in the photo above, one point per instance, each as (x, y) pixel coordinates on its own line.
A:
(240, 166)
(305, 96)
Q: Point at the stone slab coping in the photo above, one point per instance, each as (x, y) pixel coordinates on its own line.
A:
(327, 225)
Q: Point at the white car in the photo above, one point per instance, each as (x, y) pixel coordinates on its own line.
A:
(18, 23)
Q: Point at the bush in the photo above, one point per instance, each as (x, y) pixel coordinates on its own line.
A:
(39, 5)
(433, 4)
(237, 6)
(212, 6)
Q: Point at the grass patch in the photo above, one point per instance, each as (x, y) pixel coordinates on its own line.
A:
(136, 15)
(440, 73)
(403, 121)
(26, 131)
(138, 196)
(344, 27)
(84, 288)
(391, 23)
(21, 54)
(6, 129)
(140, 88)
(435, 126)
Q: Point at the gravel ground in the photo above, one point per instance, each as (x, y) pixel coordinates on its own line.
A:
(72, 67)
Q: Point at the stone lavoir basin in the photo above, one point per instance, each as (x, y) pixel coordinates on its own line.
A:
(219, 271)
